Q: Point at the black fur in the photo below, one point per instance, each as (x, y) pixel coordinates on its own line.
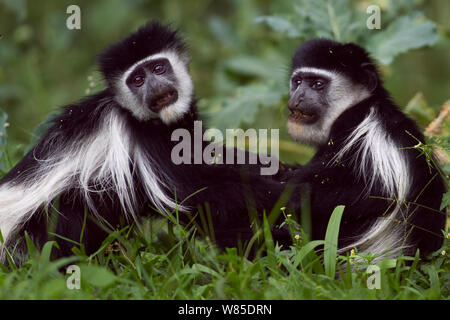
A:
(150, 39)
(333, 183)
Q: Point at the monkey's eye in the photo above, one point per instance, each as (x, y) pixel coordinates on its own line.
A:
(138, 81)
(318, 84)
(159, 69)
(296, 82)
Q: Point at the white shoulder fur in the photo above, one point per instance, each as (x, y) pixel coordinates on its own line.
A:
(377, 152)
(107, 160)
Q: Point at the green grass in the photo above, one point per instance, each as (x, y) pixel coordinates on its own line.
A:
(161, 262)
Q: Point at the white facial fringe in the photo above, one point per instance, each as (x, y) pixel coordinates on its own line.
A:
(170, 113)
(378, 158)
(342, 95)
(106, 161)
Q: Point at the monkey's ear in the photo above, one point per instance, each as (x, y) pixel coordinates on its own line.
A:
(370, 76)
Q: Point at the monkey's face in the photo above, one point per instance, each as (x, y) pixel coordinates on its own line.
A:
(317, 98)
(157, 87)
(308, 94)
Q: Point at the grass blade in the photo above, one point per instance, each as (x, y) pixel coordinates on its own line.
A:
(268, 240)
(331, 241)
(305, 250)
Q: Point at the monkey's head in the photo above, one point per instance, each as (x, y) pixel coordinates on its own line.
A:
(327, 78)
(148, 74)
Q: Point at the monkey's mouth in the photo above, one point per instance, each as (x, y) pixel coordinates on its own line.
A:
(163, 100)
(302, 116)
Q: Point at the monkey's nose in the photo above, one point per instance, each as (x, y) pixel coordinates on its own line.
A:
(296, 99)
(293, 104)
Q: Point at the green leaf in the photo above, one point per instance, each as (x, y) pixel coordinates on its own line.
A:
(244, 106)
(31, 248)
(387, 263)
(403, 34)
(222, 31)
(97, 276)
(445, 200)
(268, 240)
(305, 250)
(331, 241)
(249, 66)
(330, 19)
(335, 19)
(46, 252)
(280, 24)
(205, 269)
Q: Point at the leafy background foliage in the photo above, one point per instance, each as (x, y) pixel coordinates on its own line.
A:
(241, 54)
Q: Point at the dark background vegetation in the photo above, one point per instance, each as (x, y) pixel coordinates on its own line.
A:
(239, 65)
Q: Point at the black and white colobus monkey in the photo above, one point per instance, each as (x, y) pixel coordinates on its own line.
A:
(365, 158)
(110, 155)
